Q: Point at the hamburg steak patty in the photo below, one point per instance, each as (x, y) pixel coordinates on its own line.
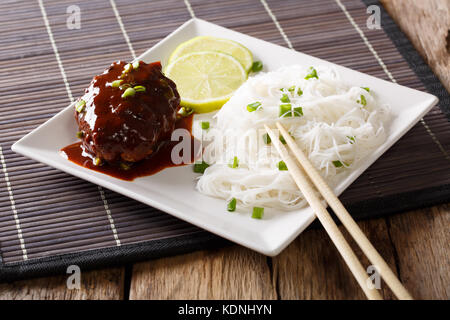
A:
(127, 111)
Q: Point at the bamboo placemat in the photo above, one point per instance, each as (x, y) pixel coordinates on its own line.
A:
(49, 219)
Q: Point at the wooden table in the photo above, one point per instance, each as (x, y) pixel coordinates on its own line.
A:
(415, 244)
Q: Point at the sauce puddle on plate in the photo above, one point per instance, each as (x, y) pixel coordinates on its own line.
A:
(156, 162)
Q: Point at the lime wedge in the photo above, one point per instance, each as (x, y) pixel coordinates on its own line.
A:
(207, 43)
(206, 79)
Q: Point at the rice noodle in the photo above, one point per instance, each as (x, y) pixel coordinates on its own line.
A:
(334, 127)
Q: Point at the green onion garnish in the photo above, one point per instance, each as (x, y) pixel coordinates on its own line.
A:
(339, 164)
(257, 213)
(79, 106)
(200, 167)
(266, 138)
(291, 89)
(362, 100)
(231, 205)
(285, 110)
(80, 134)
(257, 66)
(130, 92)
(235, 163)
(205, 125)
(299, 92)
(298, 112)
(127, 68)
(282, 166)
(135, 65)
(285, 98)
(312, 74)
(253, 106)
(139, 88)
(366, 88)
(351, 139)
(116, 83)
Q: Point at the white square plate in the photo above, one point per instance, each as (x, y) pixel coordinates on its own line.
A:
(173, 190)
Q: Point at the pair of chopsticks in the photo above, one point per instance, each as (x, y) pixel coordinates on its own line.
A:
(299, 174)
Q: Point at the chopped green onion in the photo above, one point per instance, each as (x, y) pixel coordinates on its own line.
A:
(257, 213)
(282, 166)
(283, 141)
(97, 161)
(231, 205)
(80, 134)
(127, 68)
(135, 65)
(257, 66)
(125, 166)
(139, 88)
(285, 98)
(351, 139)
(299, 92)
(298, 112)
(291, 89)
(266, 138)
(339, 164)
(312, 74)
(130, 92)
(253, 106)
(200, 167)
(366, 88)
(285, 110)
(362, 100)
(116, 83)
(79, 106)
(235, 163)
(205, 125)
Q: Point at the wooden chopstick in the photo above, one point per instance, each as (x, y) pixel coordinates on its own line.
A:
(343, 215)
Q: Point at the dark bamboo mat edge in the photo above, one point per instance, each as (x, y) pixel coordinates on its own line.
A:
(371, 208)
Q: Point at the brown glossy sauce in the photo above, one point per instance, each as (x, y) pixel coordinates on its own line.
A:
(156, 162)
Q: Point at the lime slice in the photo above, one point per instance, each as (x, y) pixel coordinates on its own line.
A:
(206, 79)
(207, 43)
